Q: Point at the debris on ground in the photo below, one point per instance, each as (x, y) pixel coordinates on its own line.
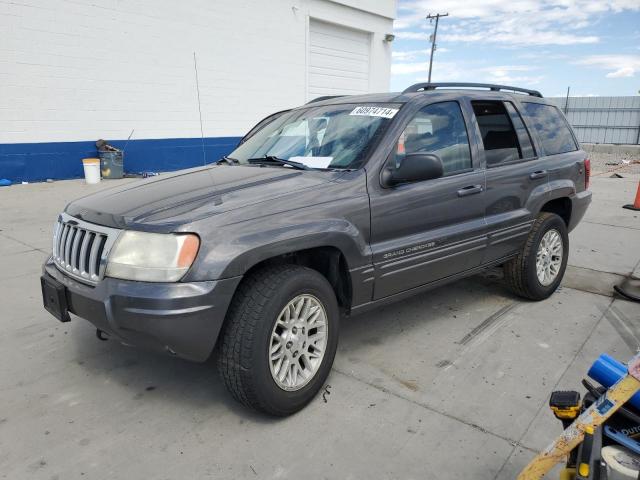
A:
(326, 392)
(141, 174)
(614, 162)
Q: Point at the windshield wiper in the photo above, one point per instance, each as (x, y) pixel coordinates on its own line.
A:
(273, 160)
(228, 160)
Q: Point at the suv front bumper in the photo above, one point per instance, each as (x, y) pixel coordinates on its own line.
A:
(180, 318)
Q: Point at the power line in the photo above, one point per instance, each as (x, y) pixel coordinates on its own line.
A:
(433, 38)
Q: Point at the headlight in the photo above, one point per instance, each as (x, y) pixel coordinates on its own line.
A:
(152, 257)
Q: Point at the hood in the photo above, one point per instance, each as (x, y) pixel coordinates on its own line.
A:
(165, 202)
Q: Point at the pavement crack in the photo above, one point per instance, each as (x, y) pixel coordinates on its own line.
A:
(544, 403)
(32, 248)
(587, 291)
(611, 225)
(627, 329)
(595, 270)
(475, 426)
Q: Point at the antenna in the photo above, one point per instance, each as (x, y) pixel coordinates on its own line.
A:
(195, 66)
(127, 142)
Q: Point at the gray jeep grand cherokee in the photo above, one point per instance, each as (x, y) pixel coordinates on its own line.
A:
(330, 209)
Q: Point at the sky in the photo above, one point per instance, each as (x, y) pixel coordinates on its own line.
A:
(549, 45)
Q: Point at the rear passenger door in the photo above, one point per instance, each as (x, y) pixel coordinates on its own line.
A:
(514, 176)
(425, 231)
(559, 150)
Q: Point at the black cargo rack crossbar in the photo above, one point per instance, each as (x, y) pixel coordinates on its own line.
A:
(324, 97)
(494, 88)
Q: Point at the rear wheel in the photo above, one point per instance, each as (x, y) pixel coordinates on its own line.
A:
(538, 269)
(280, 338)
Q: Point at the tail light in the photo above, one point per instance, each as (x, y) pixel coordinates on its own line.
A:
(587, 173)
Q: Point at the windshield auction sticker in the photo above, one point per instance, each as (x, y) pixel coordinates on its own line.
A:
(375, 112)
(313, 162)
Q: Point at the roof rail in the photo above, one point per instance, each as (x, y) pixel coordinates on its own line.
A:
(494, 88)
(324, 97)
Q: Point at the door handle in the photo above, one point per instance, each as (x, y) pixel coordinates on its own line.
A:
(538, 174)
(469, 190)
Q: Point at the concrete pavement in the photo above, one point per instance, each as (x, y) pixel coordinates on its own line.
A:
(450, 384)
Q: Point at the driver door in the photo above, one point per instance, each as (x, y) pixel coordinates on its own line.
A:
(426, 231)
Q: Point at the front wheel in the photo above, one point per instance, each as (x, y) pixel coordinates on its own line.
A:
(538, 269)
(279, 339)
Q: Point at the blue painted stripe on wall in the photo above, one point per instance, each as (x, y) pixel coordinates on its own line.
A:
(32, 162)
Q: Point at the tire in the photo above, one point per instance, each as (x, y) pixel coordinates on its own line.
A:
(521, 273)
(246, 341)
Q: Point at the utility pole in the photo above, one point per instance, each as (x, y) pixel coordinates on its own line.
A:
(433, 38)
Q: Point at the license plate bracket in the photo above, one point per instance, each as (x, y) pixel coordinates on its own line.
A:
(54, 298)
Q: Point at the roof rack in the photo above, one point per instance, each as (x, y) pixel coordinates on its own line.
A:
(324, 97)
(494, 88)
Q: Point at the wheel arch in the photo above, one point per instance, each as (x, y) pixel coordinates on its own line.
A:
(561, 206)
(328, 260)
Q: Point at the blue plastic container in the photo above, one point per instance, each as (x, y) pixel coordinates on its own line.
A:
(606, 370)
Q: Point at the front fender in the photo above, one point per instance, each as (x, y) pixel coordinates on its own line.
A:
(235, 248)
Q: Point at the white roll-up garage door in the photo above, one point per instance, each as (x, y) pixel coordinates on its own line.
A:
(338, 60)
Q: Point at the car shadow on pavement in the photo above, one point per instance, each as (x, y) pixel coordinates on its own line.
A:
(146, 375)
(446, 307)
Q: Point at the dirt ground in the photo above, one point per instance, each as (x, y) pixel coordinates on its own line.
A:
(620, 163)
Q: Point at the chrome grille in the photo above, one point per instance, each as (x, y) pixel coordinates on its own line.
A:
(80, 249)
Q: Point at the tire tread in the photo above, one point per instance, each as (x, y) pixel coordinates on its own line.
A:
(245, 313)
(516, 268)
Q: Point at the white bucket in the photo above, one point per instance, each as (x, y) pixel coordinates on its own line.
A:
(622, 463)
(91, 170)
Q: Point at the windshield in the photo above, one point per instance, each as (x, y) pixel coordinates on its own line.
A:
(334, 136)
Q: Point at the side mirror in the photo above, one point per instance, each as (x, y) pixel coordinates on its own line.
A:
(415, 167)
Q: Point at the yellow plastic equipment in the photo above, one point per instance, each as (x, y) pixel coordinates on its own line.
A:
(591, 418)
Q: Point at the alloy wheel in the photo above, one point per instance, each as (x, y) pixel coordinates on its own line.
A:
(549, 257)
(298, 342)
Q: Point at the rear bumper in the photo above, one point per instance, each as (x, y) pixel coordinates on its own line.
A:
(579, 204)
(181, 318)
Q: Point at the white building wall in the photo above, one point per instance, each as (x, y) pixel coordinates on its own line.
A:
(73, 70)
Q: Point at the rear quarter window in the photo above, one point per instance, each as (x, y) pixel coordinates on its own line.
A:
(553, 130)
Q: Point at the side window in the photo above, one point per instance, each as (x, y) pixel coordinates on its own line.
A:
(439, 129)
(552, 128)
(502, 137)
(526, 146)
